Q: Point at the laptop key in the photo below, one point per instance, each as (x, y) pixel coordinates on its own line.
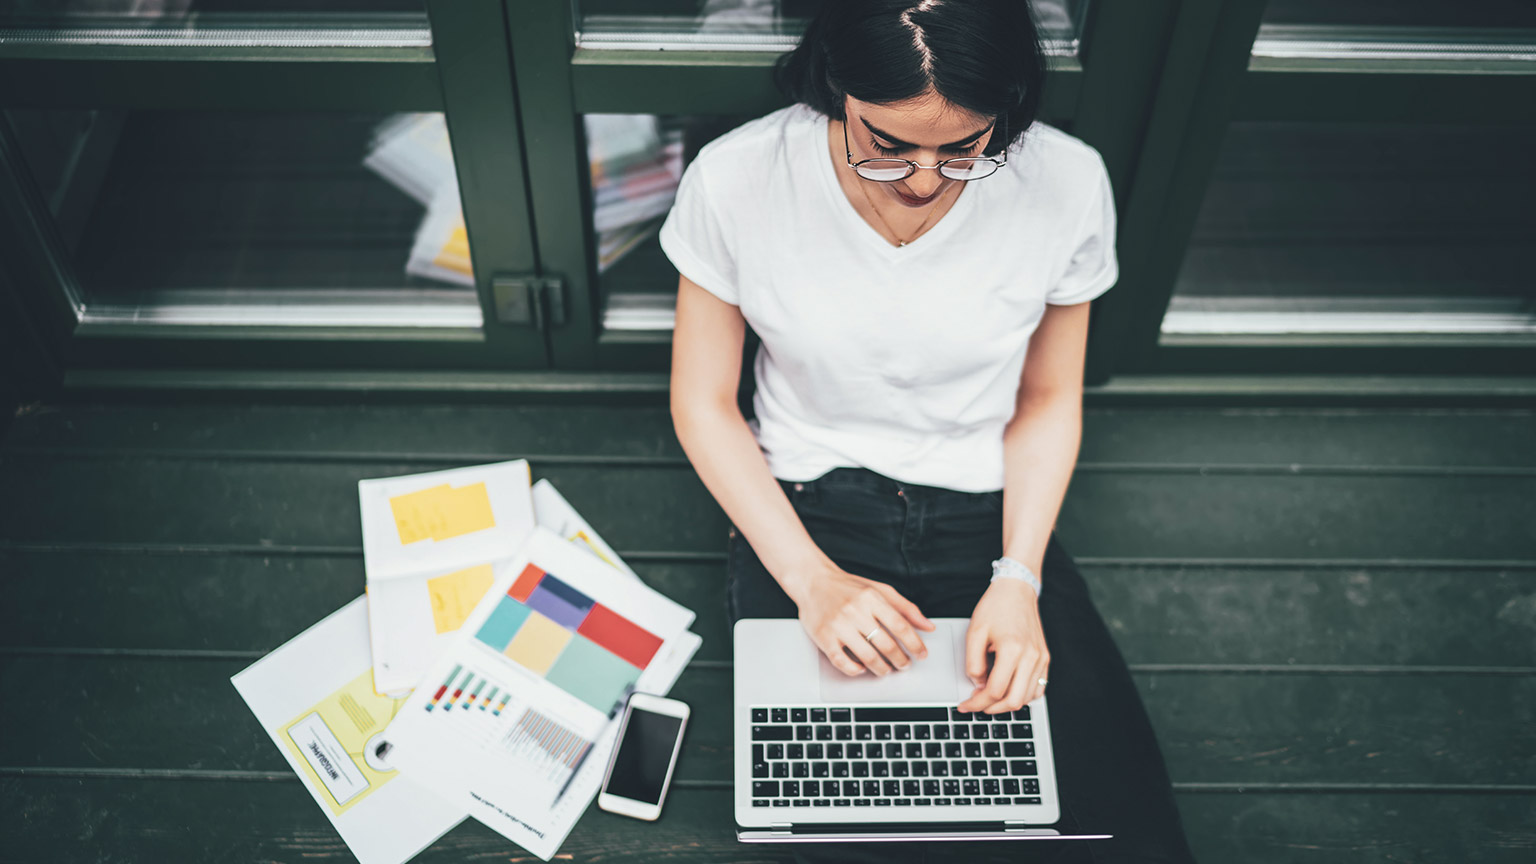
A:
(911, 788)
(993, 749)
(954, 750)
(781, 802)
(834, 751)
(979, 768)
(999, 730)
(882, 802)
(765, 788)
(810, 788)
(951, 787)
(759, 715)
(855, 751)
(890, 788)
(843, 732)
(773, 733)
(999, 768)
(1010, 786)
(813, 751)
(922, 802)
(803, 733)
(797, 715)
(941, 802)
(971, 787)
(1023, 730)
(759, 802)
(919, 769)
(790, 788)
(883, 732)
(860, 769)
(842, 802)
(1019, 748)
(981, 801)
(898, 769)
(821, 769)
(958, 768)
(962, 802)
(775, 751)
(939, 769)
(893, 750)
(780, 769)
(823, 733)
(839, 769)
(781, 715)
(960, 732)
(871, 789)
(863, 733)
(863, 802)
(972, 749)
(1026, 800)
(990, 787)
(931, 788)
(903, 802)
(941, 731)
(818, 715)
(794, 751)
(801, 802)
(914, 750)
(981, 731)
(922, 731)
(1022, 767)
(760, 769)
(884, 714)
(851, 788)
(933, 750)
(841, 715)
(902, 731)
(1030, 787)
(1022, 713)
(822, 802)
(880, 769)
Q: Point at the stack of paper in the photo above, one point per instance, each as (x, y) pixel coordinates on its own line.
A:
(635, 170)
(522, 633)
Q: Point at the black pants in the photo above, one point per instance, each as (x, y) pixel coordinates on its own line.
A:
(935, 547)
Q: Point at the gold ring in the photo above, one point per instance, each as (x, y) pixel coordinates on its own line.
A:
(870, 636)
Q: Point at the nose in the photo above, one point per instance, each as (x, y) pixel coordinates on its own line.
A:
(924, 183)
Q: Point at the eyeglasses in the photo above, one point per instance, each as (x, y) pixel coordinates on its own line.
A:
(888, 170)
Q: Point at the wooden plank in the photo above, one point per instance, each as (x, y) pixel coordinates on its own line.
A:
(167, 820)
(1215, 727)
(1123, 514)
(1196, 437)
(73, 599)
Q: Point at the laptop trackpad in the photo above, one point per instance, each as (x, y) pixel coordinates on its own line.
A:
(939, 677)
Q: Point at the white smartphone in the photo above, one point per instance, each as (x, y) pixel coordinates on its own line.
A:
(640, 769)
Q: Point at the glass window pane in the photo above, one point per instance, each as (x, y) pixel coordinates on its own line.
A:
(255, 219)
(754, 25)
(1398, 29)
(222, 23)
(1363, 229)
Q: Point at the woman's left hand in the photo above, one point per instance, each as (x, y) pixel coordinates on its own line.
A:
(1006, 624)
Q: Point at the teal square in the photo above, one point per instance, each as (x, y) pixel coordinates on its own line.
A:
(592, 674)
(506, 618)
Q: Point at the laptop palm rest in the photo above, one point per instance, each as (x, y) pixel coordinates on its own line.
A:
(937, 678)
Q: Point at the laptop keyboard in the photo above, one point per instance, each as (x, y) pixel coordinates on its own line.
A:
(882, 756)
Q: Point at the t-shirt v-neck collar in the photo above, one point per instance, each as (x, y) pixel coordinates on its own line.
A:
(856, 224)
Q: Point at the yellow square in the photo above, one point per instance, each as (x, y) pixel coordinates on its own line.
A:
(538, 643)
(454, 595)
(442, 512)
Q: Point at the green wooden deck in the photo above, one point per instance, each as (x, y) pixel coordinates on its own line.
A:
(1331, 614)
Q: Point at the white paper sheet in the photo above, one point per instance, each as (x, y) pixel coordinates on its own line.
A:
(412, 579)
(313, 697)
(506, 742)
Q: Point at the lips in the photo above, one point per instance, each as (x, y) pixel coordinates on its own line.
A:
(908, 199)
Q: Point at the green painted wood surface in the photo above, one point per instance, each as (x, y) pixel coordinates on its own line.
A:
(1329, 614)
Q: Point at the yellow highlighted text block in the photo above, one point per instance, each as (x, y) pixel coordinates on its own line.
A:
(442, 512)
(454, 595)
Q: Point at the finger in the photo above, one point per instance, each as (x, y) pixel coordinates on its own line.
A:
(883, 642)
(1019, 691)
(976, 638)
(840, 659)
(907, 608)
(863, 650)
(1004, 664)
(898, 628)
(1041, 671)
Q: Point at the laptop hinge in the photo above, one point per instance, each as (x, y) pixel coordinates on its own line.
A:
(1014, 824)
(781, 827)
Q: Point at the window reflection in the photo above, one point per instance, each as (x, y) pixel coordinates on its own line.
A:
(1364, 229)
(755, 25)
(245, 219)
(217, 23)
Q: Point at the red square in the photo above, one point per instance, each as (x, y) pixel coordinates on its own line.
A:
(620, 635)
(525, 584)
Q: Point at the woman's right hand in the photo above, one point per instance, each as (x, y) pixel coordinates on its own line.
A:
(838, 609)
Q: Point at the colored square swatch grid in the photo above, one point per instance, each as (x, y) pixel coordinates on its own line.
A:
(581, 646)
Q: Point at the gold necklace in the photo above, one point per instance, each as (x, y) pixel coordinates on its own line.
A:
(899, 242)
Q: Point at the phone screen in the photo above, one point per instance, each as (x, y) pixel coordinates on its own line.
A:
(640, 765)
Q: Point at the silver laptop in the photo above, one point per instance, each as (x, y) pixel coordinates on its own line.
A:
(821, 756)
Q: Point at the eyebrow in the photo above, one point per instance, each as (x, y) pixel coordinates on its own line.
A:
(908, 145)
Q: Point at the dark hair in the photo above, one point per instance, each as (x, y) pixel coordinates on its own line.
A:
(981, 55)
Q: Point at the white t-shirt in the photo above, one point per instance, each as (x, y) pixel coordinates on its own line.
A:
(903, 360)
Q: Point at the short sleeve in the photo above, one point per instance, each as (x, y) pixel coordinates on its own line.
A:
(695, 240)
(1093, 268)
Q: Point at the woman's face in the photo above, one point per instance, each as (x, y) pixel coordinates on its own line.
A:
(926, 130)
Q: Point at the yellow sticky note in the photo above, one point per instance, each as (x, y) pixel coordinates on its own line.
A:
(442, 512)
(417, 514)
(464, 511)
(454, 595)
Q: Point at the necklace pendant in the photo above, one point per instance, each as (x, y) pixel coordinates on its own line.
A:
(900, 243)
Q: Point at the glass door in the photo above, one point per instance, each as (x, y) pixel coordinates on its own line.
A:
(269, 183)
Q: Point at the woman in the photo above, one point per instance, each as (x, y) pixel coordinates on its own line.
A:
(919, 384)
